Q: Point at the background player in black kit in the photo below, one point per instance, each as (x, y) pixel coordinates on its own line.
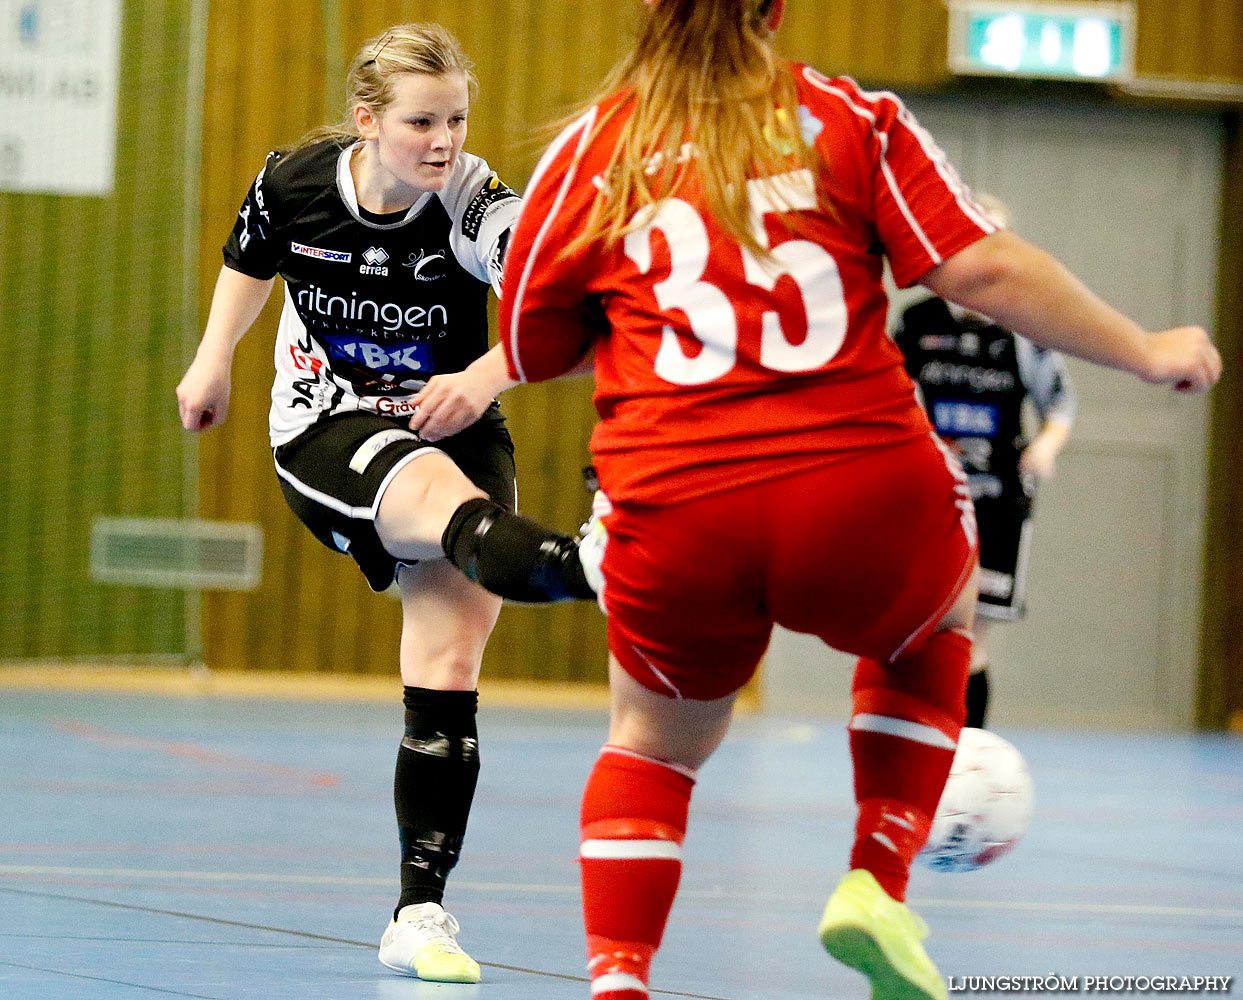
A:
(974, 378)
(388, 236)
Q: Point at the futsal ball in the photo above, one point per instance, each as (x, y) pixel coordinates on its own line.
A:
(985, 808)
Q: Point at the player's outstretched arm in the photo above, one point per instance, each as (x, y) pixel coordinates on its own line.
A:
(203, 393)
(1026, 290)
(451, 403)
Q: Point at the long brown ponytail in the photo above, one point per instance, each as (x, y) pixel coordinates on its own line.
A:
(703, 73)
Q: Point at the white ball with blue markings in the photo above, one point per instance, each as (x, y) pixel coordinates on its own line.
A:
(985, 808)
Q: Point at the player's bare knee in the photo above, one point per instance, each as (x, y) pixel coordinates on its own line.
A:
(444, 670)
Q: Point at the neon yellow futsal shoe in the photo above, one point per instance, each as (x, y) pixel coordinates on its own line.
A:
(870, 931)
(422, 942)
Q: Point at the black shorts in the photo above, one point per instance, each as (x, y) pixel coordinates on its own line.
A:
(1005, 540)
(335, 472)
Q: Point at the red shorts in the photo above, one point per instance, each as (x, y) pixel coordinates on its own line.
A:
(867, 552)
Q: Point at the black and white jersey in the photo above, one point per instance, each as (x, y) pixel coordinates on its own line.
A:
(973, 378)
(374, 305)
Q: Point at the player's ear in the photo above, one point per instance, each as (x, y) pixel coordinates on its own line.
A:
(775, 14)
(367, 122)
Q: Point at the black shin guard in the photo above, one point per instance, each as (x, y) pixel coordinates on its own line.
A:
(513, 556)
(977, 699)
(437, 769)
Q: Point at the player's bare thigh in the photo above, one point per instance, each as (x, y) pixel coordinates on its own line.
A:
(418, 503)
(679, 731)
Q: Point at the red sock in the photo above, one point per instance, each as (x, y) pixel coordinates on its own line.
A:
(633, 821)
(903, 731)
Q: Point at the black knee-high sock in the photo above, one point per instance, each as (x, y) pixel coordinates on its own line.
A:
(437, 769)
(977, 698)
(513, 556)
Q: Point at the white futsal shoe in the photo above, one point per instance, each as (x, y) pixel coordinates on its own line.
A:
(593, 540)
(422, 942)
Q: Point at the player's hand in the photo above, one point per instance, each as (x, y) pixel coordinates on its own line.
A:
(1039, 459)
(1183, 358)
(449, 404)
(203, 394)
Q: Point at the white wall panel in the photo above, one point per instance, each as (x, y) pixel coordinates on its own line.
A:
(1128, 198)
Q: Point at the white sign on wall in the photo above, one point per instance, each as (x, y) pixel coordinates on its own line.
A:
(58, 95)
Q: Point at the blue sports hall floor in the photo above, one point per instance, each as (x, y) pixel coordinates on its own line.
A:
(245, 847)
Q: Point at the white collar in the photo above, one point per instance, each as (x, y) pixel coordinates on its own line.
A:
(345, 184)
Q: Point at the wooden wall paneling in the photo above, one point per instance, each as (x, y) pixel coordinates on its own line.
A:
(23, 296)
(877, 29)
(308, 595)
(1224, 38)
(902, 43)
(906, 42)
(321, 586)
(559, 64)
(244, 105)
(25, 435)
(62, 570)
(277, 111)
(818, 34)
(99, 430)
(230, 159)
(35, 448)
(894, 43)
(125, 354)
(47, 410)
(154, 448)
(105, 427)
(257, 101)
(533, 62)
(1197, 40)
(1156, 41)
(84, 315)
(12, 561)
(91, 326)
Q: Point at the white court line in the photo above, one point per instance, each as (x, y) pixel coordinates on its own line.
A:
(1030, 906)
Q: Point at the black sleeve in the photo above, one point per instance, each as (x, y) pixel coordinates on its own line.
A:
(252, 248)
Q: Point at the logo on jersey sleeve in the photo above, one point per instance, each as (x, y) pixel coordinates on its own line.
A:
(335, 256)
(393, 359)
(809, 125)
(491, 192)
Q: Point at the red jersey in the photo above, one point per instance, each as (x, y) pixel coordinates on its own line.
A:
(717, 368)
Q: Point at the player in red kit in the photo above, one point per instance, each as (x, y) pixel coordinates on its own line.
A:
(715, 226)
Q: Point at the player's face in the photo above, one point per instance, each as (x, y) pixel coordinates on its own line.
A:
(421, 133)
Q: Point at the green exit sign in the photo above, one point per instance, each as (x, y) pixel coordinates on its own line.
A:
(1063, 41)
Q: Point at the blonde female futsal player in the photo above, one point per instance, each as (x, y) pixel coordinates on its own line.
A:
(761, 443)
(388, 236)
